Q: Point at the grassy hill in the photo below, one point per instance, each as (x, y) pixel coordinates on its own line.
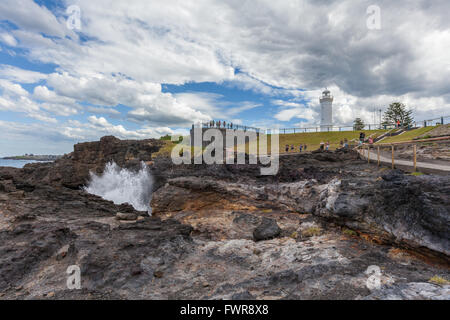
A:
(408, 135)
(313, 139)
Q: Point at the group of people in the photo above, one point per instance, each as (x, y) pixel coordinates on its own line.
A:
(362, 138)
(324, 146)
(301, 147)
(343, 143)
(219, 124)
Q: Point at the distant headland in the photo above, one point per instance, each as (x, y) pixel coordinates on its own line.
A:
(36, 157)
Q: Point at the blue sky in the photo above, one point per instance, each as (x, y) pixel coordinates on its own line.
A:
(147, 69)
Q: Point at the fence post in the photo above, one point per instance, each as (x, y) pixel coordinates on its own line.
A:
(415, 158)
(393, 165)
(368, 154)
(378, 155)
(294, 130)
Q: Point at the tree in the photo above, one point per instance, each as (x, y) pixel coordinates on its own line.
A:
(397, 112)
(358, 124)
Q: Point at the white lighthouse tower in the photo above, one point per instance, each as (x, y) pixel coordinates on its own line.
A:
(326, 109)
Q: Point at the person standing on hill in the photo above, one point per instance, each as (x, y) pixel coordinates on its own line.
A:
(300, 147)
(305, 146)
(362, 136)
(287, 148)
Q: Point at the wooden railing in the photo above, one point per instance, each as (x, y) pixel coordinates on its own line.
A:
(392, 145)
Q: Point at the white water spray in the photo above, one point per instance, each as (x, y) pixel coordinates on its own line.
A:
(122, 185)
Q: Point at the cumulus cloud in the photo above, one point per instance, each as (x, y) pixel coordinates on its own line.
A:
(286, 51)
(15, 98)
(28, 15)
(20, 75)
(8, 39)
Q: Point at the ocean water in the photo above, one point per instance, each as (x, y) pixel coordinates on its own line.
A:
(15, 163)
(121, 185)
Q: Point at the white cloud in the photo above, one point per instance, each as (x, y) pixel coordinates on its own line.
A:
(102, 125)
(277, 49)
(54, 103)
(16, 99)
(8, 39)
(20, 75)
(148, 103)
(28, 15)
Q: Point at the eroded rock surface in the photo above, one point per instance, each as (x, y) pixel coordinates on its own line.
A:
(388, 205)
(336, 216)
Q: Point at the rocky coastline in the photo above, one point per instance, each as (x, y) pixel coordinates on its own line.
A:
(224, 231)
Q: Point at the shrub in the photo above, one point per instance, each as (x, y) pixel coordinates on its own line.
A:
(294, 235)
(439, 280)
(349, 232)
(311, 231)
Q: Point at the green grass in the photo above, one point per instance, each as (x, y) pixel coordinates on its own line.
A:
(439, 280)
(311, 232)
(313, 139)
(416, 173)
(349, 232)
(407, 136)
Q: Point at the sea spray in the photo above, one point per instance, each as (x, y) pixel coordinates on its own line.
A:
(122, 185)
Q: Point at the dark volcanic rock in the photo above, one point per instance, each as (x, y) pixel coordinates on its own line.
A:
(24, 247)
(72, 171)
(407, 210)
(245, 295)
(201, 244)
(389, 206)
(268, 229)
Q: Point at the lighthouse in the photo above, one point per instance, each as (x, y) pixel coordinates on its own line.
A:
(326, 109)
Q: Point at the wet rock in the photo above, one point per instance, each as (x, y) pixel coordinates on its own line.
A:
(267, 229)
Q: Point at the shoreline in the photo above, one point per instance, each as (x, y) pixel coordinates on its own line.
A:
(30, 158)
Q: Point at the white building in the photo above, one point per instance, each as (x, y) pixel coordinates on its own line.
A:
(326, 111)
